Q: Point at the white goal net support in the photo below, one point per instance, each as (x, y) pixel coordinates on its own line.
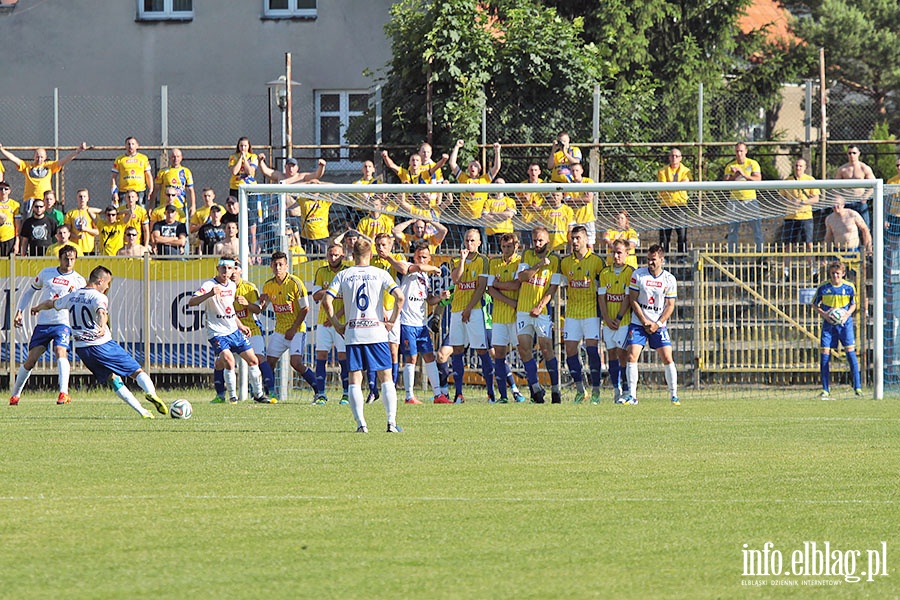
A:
(743, 317)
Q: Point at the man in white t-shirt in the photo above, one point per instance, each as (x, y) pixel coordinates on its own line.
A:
(366, 330)
(652, 293)
(226, 334)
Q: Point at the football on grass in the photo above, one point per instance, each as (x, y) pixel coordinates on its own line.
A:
(836, 315)
(181, 409)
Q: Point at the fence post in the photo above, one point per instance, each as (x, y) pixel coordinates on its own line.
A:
(56, 136)
(13, 301)
(594, 167)
(378, 131)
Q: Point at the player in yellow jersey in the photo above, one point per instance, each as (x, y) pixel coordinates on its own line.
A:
(469, 273)
(503, 287)
(384, 246)
(615, 312)
(579, 273)
(538, 274)
(326, 337)
(286, 294)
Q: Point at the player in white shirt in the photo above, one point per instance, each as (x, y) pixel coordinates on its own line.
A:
(52, 327)
(227, 335)
(652, 293)
(88, 310)
(366, 330)
(415, 336)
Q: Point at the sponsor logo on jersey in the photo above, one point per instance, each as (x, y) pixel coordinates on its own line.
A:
(282, 308)
(60, 281)
(466, 285)
(615, 297)
(363, 324)
(538, 281)
(580, 283)
(652, 283)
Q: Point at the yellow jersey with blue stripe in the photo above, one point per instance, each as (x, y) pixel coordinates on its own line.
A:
(505, 271)
(580, 277)
(324, 276)
(532, 290)
(829, 296)
(282, 297)
(476, 267)
(614, 283)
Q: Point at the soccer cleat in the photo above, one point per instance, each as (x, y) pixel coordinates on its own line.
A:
(345, 399)
(413, 400)
(14, 401)
(218, 400)
(372, 397)
(858, 391)
(459, 399)
(595, 398)
(362, 429)
(675, 401)
(555, 398)
(537, 396)
(579, 397)
(502, 401)
(392, 428)
(617, 395)
(631, 400)
(825, 395)
(442, 399)
(64, 398)
(320, 400)
(519, 397)
(263, 399)
(626, 399)
(233, 400)
(161, 407)
(147, 415)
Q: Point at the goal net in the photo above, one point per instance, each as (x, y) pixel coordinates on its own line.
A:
(743, 317)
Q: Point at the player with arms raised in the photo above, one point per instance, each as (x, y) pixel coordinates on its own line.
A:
(88, 310)
(227, 335)
(52, 283)
(652, 293)
(538, 274)
(615, 312)
(835, 301)
(366, 330)
(579, 273)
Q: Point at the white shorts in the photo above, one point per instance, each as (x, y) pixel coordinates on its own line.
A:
(469, 334)
(258, 343)
(278, 344)
(504, 335)
(394, 334)
(615, 338)
(576, 330)
(327, 338)
(528, 325)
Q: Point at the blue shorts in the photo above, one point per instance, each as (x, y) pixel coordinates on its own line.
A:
(832, 334)
(370, 357)
(44, 334)
(106, 359)
(638, 336)
(415, 340)
(236, 341)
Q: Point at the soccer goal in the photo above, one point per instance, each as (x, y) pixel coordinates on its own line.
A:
(743, 318)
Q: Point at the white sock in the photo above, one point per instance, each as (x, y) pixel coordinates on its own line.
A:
(409, 379)
(64, 368)
(354, 391)
(125, 394)
(231, 383)
(256, 384)
(389, 399)
(631, 377)
(672, 379)
(434, 377)
(146, 384)
(21, 379)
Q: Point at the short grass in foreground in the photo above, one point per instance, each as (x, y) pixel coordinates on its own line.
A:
(470, 501)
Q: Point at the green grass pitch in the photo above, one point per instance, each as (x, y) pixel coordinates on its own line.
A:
(470, 501)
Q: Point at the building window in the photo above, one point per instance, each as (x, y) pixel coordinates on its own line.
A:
(335, 110)
(285, 9)
(165, 10)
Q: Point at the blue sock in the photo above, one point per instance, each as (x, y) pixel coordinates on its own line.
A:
(854, 368)
(345, 374)
(594, 364)
(487, 370)
(458, 371)
(510, 379)
(444, 372)
(310, 377)
(268, 376)
(372, 386)
(320, 375)
(531, 372)
(501, 374)
(614, 373)
(574, 363)
(395, 370)
(553, 369)
(219, 382)
(825, 370)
